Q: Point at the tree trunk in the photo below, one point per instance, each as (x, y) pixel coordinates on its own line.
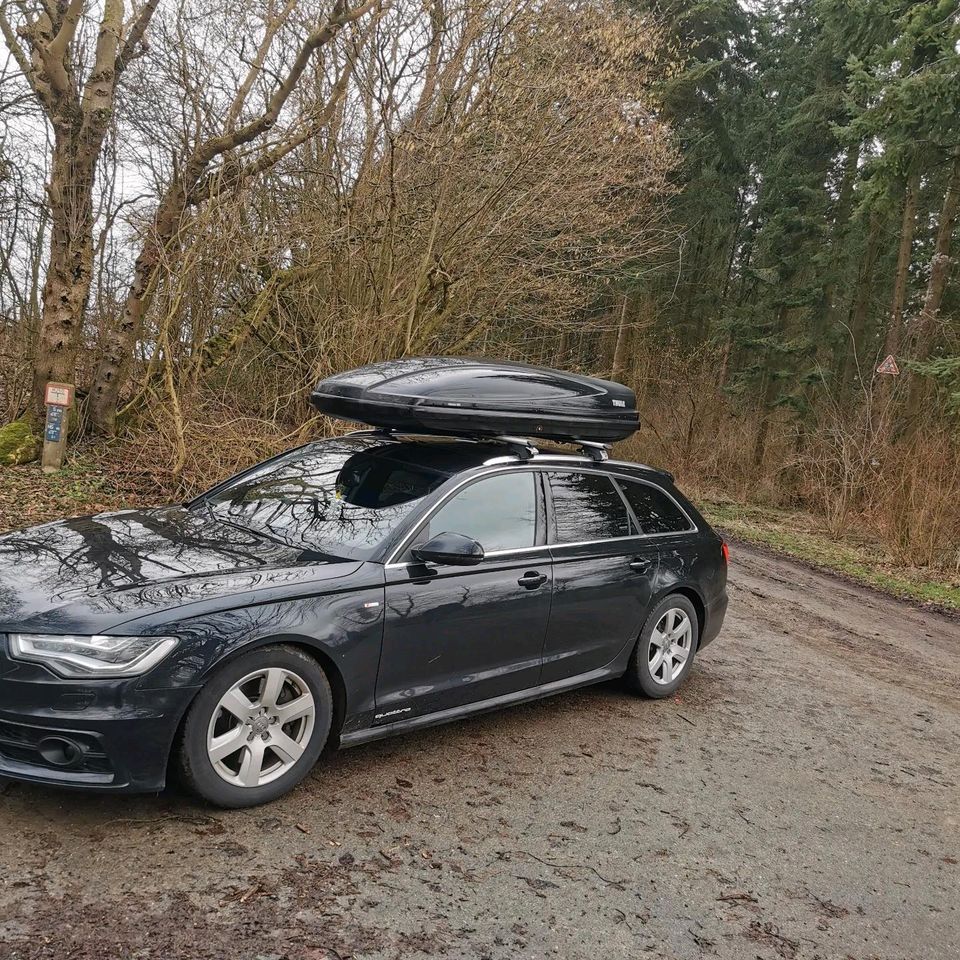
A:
(907, 229)
(694, 272)
(853, 354)
(118, 344)
(940, 265)
(620, 345)
(734, 243)
(47, 52)
(763, 429)
(883, 385)
(841, 221)
(70, 268)
(723, 366)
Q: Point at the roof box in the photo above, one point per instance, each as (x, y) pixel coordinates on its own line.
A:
(457, 396)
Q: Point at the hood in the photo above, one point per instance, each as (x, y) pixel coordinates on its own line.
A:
(93, 573)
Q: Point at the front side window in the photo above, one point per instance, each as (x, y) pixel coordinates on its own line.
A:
(499, 512)
(654, 510)
(339, 496)
(587, 506)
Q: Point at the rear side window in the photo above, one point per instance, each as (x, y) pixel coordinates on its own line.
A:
(500, 512)
(655, 511)
(586, 506)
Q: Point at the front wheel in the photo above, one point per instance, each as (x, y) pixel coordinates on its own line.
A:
(257, 727)
(664, 652)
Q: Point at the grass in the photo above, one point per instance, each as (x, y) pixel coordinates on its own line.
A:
(799, 535)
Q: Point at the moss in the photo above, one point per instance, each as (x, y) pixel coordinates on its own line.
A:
(18, 444)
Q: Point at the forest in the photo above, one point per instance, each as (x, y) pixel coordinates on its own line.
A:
(738, 209)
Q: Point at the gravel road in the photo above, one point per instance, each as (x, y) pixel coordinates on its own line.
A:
(800, 799)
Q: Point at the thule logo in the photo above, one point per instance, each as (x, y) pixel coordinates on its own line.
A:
(619, 403)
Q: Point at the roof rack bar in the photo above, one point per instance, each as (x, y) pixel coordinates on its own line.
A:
(595, 451)
(524, 449)
(520, 447)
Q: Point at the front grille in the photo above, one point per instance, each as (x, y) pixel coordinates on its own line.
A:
(20, 744)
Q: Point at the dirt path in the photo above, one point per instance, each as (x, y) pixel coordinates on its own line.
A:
(801, 799)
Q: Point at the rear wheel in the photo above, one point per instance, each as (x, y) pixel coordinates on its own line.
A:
(256, 728)
(664, 652)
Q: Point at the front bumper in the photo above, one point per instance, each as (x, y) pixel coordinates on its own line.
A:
(102, 734)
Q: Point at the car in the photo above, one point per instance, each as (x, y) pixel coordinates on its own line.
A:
(354, 588)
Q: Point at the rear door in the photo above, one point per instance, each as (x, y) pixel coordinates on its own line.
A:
(662, 519)
(603, 574)
(457, 635)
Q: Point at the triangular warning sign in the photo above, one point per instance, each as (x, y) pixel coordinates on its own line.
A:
(889, 365)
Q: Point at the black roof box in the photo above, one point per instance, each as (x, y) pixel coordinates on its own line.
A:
(458, 396)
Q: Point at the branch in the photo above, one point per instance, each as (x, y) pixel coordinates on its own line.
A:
(319, 38)
(218, 182)
(98, 93)
(229, 176)
(273, 25)
(58, 45)
(134, 38)
(54, 52)
(10, 38)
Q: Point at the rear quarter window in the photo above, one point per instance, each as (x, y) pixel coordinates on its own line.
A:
(587, 507)
(655, 510)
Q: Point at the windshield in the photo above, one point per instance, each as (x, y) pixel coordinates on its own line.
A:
(341, 496)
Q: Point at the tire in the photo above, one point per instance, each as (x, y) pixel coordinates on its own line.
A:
(646, 670)
(235, 747)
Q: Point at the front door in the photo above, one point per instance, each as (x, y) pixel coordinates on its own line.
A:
(603, 575)
(458, 635)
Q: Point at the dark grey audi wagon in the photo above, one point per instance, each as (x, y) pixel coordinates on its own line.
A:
(351, 589)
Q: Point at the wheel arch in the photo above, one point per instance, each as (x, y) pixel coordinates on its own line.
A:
(308, 645)
(693, 595)
(317, 651)
(338, 687)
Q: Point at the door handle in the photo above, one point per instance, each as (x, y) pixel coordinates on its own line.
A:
(640, 564)
(532, 579)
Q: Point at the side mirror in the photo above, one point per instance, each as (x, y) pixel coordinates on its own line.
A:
(453, 549)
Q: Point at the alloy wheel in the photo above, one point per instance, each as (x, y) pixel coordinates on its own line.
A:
(670, 646)
(261, 727)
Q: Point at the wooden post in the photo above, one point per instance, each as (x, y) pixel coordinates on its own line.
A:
(58, 398)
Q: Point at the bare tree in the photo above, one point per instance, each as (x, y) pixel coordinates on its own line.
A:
(77, 94)
(194, 181)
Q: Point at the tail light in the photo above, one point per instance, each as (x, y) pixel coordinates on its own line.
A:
(725, 550)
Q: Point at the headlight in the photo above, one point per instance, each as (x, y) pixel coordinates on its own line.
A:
(89, 657)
